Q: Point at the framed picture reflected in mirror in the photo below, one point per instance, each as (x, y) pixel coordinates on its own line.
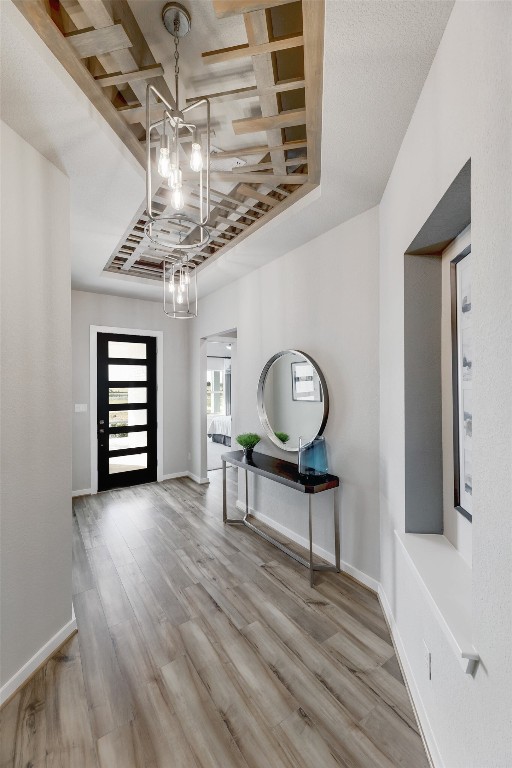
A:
(306, 383)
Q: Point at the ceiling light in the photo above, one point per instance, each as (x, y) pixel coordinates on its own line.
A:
(180, 289)
(171, 228)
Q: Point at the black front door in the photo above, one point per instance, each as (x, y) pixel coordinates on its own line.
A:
(127, 423)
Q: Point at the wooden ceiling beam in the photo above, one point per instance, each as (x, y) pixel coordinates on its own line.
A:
(225, 8)
(252, 178)
(313, 13)
(255, 195)
(246, 50)
(137, 114)
(259, 149)
(286, 119)
(257, 29)
(231, 222)
(268, 166)
(250, 91)
(229, 209)
(234, 200)
(293, 84)
(95, 42)
(35, 13)
(119, 78)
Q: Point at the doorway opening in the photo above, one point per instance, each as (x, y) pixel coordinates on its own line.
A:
(220, 362)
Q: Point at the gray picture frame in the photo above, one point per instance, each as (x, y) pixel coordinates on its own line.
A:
(462, 422)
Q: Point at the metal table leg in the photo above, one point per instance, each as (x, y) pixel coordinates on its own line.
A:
(246, 495)
(311, 569)
(224, 493)
(336, 533)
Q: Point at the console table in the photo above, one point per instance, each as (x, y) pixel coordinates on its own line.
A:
(286, 473)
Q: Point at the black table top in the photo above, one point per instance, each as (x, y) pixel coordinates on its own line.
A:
(284, 472)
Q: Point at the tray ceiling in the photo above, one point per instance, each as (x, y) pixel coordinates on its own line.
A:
(265, 87)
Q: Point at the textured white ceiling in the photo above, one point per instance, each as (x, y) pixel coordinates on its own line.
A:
(377, 56)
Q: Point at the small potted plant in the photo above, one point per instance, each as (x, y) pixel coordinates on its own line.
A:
(248, 440)
(282, 436)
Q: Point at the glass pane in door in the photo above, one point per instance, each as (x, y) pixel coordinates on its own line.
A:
(127, 440)
(122, 395)
(127, 372)
(127, 463)
(130, 418)
(127, 349)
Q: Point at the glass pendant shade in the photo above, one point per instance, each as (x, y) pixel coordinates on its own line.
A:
(180, 289)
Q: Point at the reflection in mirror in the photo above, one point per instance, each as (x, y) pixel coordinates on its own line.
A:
(292, 401)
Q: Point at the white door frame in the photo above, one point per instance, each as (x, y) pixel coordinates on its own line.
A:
(93, 390)
(203, 366)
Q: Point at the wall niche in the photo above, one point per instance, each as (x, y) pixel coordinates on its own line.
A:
(422, 356)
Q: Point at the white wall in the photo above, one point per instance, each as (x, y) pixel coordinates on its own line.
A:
(35, 597)
(98, 309)
(323, 299)
(464, 111)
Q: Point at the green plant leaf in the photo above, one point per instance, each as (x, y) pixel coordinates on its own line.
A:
(248, 439)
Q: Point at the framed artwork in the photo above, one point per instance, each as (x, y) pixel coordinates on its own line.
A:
(306, 383)
(462, 380)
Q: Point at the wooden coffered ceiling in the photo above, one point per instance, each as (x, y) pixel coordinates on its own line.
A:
(270, 159)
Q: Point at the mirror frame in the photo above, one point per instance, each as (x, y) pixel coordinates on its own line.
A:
(261, 402)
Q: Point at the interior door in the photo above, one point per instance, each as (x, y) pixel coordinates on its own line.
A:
(126, 419)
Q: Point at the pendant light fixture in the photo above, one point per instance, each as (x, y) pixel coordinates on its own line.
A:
(180, 289)
(173, 228)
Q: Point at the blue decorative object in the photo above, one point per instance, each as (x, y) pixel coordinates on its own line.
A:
(313, 458)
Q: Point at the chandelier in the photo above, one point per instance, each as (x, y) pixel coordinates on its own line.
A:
(179, 159)
(180, 288)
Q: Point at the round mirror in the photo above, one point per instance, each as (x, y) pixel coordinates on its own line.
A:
(292, 399)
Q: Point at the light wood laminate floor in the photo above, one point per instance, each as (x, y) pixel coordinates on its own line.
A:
(202, 646)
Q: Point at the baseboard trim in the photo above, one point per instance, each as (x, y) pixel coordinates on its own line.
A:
(197, 479)
(175, 475)
(367, 581)
(427, 734)
(28, 670)
(171, 476)
(363, 578)
(186, 473)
